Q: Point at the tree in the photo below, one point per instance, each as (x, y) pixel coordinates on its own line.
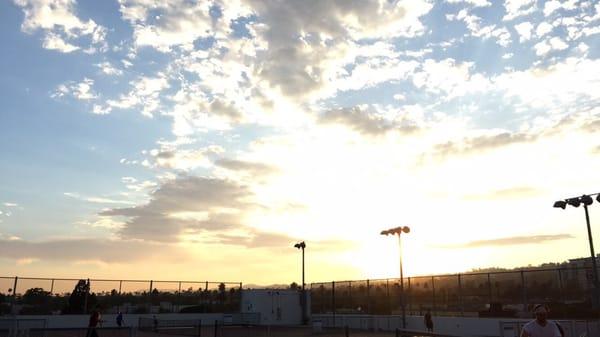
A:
(294, 286)
(36, 296)
(80, 300)
(222, 293)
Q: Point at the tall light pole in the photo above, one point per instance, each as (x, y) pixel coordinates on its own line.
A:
(398, 231)
(302, 245)
(586, 200)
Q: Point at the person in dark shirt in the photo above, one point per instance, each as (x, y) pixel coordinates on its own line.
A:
(95, 320)
(120, 319)
(428, 321)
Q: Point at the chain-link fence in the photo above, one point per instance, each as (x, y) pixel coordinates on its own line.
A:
(493, 294)
(25, 295)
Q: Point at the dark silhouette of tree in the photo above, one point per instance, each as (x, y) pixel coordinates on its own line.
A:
(36, 296)
(294, 286)
(80, 299)
(222, 294)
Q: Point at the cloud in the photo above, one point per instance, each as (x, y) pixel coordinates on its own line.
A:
(256, 240)
(482, 143)
(474, 3)
(108, 69)
(514, 240)
(558, 88)
(516, 8)
(145, 93)
(55, 42)
(450, 77)
(73, 250)
(524, 29)
(97, 200)
(548, 45)
(82, 91)
(508, 193)
(255, 169)
(10, 204)
(165, 24)
(186, 205)
(554, 5)
(61, 25)
(543, 29)
(366, 121)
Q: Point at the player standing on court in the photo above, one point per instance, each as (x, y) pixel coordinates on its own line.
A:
(95, 319)
(541, 326)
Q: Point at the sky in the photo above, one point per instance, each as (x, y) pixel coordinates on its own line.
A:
(199, 140)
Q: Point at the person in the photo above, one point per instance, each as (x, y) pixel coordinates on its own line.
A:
(95, 319)
(120, 319)
(428, 321)
(155, 321)
(541, 326)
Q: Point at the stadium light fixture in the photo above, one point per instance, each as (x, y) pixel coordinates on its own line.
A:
(399, 231)
(586, 200)
(575, 202)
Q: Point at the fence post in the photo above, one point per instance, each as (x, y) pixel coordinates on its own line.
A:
(120, 286)
(560, 284)
(460, 297)
(14, 296)
(333, 301)
(87, 292)
(179, 298)
(350, 303)
(524, 290)
(387, 289)
(433, 294)
(409, 296)
(368, 298)
(52, 287)
(489, 279)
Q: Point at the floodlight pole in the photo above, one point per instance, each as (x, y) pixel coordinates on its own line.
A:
(303, 300)
(398, 231)
(587, 200)
(595, 299)
(402, 284)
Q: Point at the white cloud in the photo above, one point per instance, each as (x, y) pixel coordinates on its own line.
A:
(58, 20)
(101, 110)
(82, 91)
(108, 69)
(543, 29)
(449, 77)
(554, 5)
(145, 93)
(516, 8)
(474, 3)
(544, 47)
(55, 42)
(524, 29)
(10, 204)
(97, 200)
(564, 86)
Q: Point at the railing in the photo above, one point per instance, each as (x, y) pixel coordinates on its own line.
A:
(31, 295)
(568, 290)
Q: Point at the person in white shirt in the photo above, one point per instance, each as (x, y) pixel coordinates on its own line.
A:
(541, 326)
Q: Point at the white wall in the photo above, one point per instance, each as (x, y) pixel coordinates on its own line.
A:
(276, 307)
(80, 321)
(460, 326)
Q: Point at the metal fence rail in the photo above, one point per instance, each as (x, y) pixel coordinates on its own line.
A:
(34, 295)
(471, 294)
